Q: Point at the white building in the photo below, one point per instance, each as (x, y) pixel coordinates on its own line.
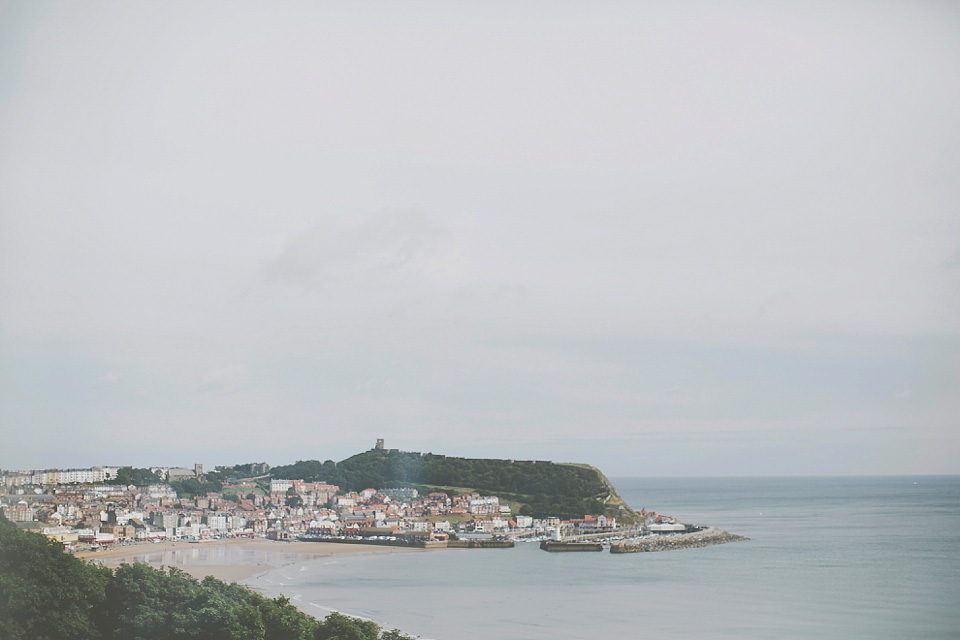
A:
(280, 486)
(524, 522)
(419, 525)
(160, 492)
(484, 504)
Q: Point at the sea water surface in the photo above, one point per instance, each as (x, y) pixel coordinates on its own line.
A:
(847, 557)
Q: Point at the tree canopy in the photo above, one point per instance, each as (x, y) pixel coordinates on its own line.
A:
(190, 487)
(137, 477)
(46, 594)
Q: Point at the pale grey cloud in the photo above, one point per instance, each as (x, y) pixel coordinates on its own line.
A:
(625, 220)
(226, 379)
(904, 393)
(108, 378)
(353, 248)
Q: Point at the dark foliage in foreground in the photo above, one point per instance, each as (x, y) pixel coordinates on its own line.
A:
(46, 594)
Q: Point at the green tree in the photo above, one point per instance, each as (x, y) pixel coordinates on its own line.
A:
(337, 626)
(37, 579)
(137, 477)
(46, 594)
(283, 621)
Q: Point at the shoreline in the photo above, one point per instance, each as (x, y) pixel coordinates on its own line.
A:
(247, 561)
(256, 563)
(235, 560)
(271, 582)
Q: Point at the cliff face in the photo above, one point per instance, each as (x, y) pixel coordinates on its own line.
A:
(539, 488)
(614, 505)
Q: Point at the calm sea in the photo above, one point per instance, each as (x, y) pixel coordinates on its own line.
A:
(864, 557)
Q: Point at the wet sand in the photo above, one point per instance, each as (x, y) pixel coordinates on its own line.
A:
(229, 560)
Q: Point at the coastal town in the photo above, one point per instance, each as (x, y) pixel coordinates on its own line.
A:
(89, 509)
(84, 508)
(98, 508)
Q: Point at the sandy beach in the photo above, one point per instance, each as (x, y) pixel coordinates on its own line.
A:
(229, 560)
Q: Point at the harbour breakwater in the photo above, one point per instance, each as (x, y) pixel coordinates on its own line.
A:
(481, 543)
(420, 544)
(550, 545)
(704, 538)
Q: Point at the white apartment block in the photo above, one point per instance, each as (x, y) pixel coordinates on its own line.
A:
(280, 486)
(92, 475)
(484, 504)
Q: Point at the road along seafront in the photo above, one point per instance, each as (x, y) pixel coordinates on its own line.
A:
(703, 538)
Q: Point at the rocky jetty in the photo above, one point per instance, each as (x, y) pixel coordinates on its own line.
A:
(703, 538)
(550, 545)
(480, 544)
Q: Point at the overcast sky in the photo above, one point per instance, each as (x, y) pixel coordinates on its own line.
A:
(684, 238)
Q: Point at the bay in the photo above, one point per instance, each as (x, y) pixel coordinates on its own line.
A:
(846, 557)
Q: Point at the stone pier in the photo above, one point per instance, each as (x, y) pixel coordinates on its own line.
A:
(704, 538)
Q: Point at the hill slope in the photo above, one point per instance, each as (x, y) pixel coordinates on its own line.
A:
(541, 488)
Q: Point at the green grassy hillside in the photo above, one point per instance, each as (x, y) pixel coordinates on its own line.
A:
(537, 488)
